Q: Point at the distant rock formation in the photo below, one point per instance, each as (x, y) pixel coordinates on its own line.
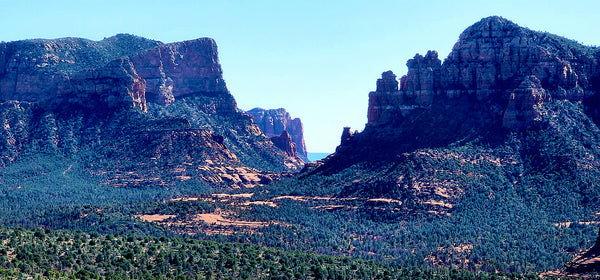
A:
(274, 121)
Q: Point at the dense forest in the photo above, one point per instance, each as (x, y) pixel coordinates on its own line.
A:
(48, 254)
(467, 238)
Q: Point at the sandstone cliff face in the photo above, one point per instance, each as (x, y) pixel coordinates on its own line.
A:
(181, 69)
(422, 81)
(495, 54)
(275, 121)
(524, 104)
(119, 71)
(381, 100)
(114, 86)
(136, 111)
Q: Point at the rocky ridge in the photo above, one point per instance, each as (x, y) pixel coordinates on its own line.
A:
(491, 59)
(284, 142)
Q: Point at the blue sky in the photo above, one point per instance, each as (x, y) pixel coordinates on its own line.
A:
(318, 59)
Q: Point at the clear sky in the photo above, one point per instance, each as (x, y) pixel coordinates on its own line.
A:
(317, 59)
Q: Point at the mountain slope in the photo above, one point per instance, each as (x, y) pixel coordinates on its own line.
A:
(134, 111)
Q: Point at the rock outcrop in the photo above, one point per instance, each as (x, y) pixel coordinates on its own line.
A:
(121, 70)
(422, 81)
(181, 69)
(274, 121)
(132, 106)
(346, 135)
(382, 99)
(114, 86)
(495, 54)
(524, 104)
(284, 142)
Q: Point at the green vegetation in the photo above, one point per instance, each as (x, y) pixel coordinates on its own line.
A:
(500, 229)
(56, 192)
(505, 214)
(47, 254)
